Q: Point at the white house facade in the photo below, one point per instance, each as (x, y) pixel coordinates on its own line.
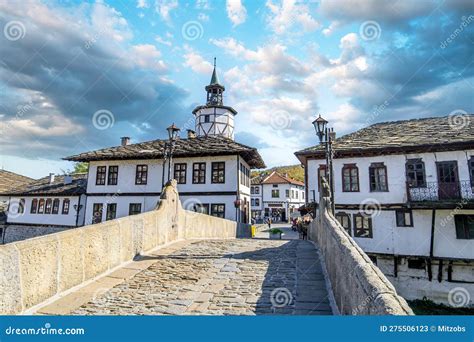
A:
(212, 170)
(404, 192)
(277, 196)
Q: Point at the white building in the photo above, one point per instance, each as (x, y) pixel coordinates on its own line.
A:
(46, 205)
(277, 196)
(404, 192)
(212, 170)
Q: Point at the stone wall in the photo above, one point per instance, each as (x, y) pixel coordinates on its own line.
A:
(12, 232)
(359, 287)
(34, 270)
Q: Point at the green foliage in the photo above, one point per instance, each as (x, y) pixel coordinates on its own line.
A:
(293, 171)
(275, 231)
(80, 168)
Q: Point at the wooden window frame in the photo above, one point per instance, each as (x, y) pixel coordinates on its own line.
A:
(97, 208)
(372, 168)
(34, 206)
(462, 231)
(199, 173)
(287, 193)
(130, 212)
(414, 183)
(350, 167)
(66, 206)
(321, 168)
(55, 208)
(47, 209)
(357, 230)
(277, 191)
(112, 175)
(257, 190)
(202, 205)
(180, 172)
(109, 211)
(141, 174)
(470, 167)
(218, 213)
(398, 213)
(100, 175)
(41, 205)
(216, 168)
(342, 214)
(257, 202)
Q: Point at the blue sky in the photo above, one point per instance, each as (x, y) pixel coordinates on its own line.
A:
(76, 76)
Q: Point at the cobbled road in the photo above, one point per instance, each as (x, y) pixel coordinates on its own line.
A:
(223, 277)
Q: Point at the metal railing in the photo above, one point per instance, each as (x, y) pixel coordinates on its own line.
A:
(438, 191)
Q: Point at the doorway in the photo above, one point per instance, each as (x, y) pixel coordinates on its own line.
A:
(448, 181)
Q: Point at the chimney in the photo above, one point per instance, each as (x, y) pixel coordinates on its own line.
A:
(125, 141)
(191, 133)
(51, 178)
(67, 179)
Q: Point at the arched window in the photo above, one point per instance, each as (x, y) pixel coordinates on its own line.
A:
(47, 208)
(56, 206)
(65, 210)
(41, 206)
(34, 206)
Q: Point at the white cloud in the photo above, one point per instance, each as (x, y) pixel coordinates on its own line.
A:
(164, 8)
(147, 56)
(289, 14)
(203, 17)
(197, 63)
(163, 41)
(236, 12)
(142, 4)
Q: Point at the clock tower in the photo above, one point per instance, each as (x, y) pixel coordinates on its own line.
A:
(214, 118)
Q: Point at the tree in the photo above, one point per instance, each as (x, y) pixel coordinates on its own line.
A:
(80, 167)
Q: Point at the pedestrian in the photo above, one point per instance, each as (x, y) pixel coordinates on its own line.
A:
(269, 222)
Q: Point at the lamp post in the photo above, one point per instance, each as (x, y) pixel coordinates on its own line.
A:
(173, 132)
(326, 136)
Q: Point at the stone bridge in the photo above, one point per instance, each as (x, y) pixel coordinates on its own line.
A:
(172, 261)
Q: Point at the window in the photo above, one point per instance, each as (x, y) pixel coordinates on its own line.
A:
(404, 218)
(41, 206)
(275, 185)
(418, 263)
(141, 175)
(362, 226)
(34, 206)
(345, 221)
(302, 195)
(218, 210)
(287, 193)
(257, 202)
(97, 212)
(378, 177)
(56, 206)
(134, 208)
(464, 226)
(252, 190)
(207, 118)
(415, 173)
(201, 208)
(111, 211)
(49, 203)
(199, 173)
(21, 206)
(350, 178)
(113, 175)
(292, 193)
(257, 190)
(180, 172)
(321, 175)
(252, 202)
(218, 172)
(244, 175)
(275, 193)
(296, 193)
(471, 169)
(100, 175)
(66, 203)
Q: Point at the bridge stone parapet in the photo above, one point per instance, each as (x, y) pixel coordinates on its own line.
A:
(359, 287)
(43, 268)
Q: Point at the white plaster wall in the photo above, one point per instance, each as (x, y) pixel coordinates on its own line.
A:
(47, 219)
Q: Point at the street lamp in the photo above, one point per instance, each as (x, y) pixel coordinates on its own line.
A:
(173, 133)
(326, 136)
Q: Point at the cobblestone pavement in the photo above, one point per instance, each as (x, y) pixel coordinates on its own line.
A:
(223, 277)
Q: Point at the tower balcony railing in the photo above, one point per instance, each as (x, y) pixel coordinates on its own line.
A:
(439, 191)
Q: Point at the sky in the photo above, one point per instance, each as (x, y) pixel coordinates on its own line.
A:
(77, 76)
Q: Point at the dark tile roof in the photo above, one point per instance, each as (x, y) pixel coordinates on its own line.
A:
(408, 136)
(10, 180)
(42, 186)
(190, 147)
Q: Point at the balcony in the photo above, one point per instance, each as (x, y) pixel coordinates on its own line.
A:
(437, 191)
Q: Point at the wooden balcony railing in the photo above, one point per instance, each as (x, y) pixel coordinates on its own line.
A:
(438, 191)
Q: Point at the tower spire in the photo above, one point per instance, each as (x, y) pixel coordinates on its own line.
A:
(214, 78)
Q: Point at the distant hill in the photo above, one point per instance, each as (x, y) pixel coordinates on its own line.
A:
(293, 171)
